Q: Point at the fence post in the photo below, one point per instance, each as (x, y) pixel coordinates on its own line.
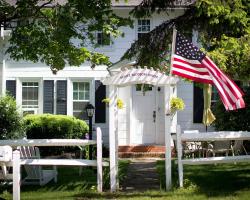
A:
(99, 158)
(179, 154)
(16, 175)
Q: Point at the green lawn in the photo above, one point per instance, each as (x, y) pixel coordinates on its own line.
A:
(220, 182)
(69, 186)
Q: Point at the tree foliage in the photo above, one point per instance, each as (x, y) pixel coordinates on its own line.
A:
(223, 31)
(58, 32)
(237, 120)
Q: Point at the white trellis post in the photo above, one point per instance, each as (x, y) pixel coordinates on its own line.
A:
(167, 138)
(16, 175)
(113, 138)
(179, 155)
(99, 159)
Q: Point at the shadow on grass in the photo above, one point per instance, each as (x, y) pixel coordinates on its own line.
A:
(212, 180)
(68, 180)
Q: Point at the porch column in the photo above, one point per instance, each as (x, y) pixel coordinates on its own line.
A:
(113, 148)
(167, 95)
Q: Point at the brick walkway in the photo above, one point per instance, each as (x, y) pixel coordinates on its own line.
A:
(141, 176)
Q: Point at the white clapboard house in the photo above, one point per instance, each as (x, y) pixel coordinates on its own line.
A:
(141, 122)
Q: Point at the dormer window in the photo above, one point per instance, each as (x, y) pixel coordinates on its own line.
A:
(103, 39)
(143, 27)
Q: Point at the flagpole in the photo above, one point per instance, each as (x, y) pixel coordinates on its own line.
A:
(172, 50)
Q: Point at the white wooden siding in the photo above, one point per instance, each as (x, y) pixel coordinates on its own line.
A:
(1, 77)
(185, 117)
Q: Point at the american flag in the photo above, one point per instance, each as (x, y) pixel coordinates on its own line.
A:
(191, 63)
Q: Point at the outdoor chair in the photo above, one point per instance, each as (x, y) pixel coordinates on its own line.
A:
(219, 147)
(238, 148)
(35, 174)
(5, 156)
(192, 149)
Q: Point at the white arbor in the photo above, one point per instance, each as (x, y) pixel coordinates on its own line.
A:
(138, 76)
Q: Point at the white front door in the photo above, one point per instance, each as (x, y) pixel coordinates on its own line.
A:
(144, 115)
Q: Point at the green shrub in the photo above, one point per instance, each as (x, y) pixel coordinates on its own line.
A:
(10, 119)
(237, 120)
(48, 126)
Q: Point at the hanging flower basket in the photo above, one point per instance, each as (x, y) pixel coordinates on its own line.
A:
(106, 101)
(119, 102)
(176, 104)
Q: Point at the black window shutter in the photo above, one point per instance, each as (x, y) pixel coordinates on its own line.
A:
(11, 87)
(198, 105)
(61, 101)
(48, 96)
(100, 107)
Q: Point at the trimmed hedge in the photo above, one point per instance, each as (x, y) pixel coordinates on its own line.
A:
(10, 119)
(48, 126)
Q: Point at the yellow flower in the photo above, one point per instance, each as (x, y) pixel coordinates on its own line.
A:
(176, 103)
(119, 103)
(106, 100)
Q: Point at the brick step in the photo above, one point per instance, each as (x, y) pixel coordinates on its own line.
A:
(141, 155)
(141, 149)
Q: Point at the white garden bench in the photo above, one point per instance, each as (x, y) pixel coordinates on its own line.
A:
(16, 161)
(207, 137)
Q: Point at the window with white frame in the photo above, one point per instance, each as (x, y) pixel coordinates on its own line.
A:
(30, 97)
(81, 96)
(143, 27)
(103, 39)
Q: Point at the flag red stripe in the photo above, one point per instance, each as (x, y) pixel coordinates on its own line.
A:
(227, 92)
(223, 81)
(201, 80)
(189, 70)
(222, 77)
(188, 63)
(226, 99)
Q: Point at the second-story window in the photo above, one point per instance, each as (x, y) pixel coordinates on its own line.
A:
(103, 39)
(143, 27)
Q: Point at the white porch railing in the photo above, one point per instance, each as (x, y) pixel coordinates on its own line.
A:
(207, 136)
(16, 162)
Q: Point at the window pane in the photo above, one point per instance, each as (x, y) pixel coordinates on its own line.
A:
(24, 94)
(87, 95)
(79, 110)
(103, 39)
(81, 86)
(75, 86)
(79, 106)
(87, 86)
(75, 95)
(81, 96)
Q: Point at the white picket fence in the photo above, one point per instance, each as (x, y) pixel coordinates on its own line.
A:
(16, 161)
(207, 136)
